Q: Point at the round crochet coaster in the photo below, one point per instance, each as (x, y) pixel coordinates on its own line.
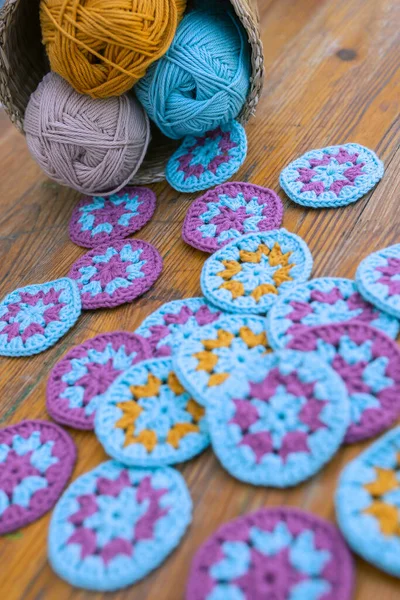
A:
(36, 461)
(202, 162)
(277, 553)
(368, 503)
(229, 211)
(323, 301)
(108, 276)
(35, 317)
(80, 379)
(249, 274)
(212, 363)
(290, 422)
(99, 220)
(332, 177)
(147, 419)
(378, 279)
(174, 321)
(114, 525)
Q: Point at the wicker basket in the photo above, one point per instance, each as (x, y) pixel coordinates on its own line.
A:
(23, 63)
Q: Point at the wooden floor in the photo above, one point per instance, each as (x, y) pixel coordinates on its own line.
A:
(331, 77)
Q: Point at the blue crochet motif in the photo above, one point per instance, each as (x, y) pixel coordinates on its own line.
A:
(378, 279)
(87, 219)
(114, 525)
(332, 176)
(250, 273)
(35, 317)
(368, 503)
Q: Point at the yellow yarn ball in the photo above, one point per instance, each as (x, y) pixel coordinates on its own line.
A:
(103, 47)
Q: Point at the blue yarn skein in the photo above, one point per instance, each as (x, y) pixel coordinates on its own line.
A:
(203, 79)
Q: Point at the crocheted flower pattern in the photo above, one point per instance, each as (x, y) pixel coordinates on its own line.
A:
(202, 162)
(111, 275)
(229, 211)
(277, 553)
(323, 301)
(368, 503)
(250, 273)
(212, 361)
(36, 461)
(333, 176)
(114, 525)
(174, 321)
(148, 419)
(80, 379)
(378, 279)
(35, 317)
(98, 220)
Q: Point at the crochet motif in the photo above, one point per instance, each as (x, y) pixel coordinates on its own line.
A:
(80, 379)
(212, 362)
(289, 423)
(249, 274)
(174, 321)
(101, 220)
(202, 162)
(35, 317)
(323, 301)
(278, 553)
(114, 525)
(332, 177)
(368, 503)
(229, 211)
(111, 275)
(378, 279)
(36, 461)
(147, 419)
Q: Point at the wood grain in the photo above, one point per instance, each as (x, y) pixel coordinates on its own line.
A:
(331, 77)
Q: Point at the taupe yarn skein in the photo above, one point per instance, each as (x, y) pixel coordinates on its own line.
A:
(92, 145)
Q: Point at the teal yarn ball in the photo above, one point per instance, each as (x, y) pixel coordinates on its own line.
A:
(203, 79)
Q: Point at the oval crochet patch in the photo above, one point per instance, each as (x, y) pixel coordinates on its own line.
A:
(368, 503)
(35, 317)
(114, 525)
(378, 279)
(174, 321)
(147, 419)
(368, 361)
(213, 361)
(249, 274)
(100, 220)
(276, 553)
(202, 162)
(323, 301)
(332, 177)
(229, 211)
(36, 461)
(108, 276)
(289, 423)
(80, 379)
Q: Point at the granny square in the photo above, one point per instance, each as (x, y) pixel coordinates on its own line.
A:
(108, 276)
(368, 503)
(249, 274)
(378, 279)
(80, 379)
(36, 461)
(320, 302)
(273, 554)
(100, 220)
(114, 525)
(288, 424)
(229, 211)
(147, 419)
(35, 317)
(202, 162)
(332, 177)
